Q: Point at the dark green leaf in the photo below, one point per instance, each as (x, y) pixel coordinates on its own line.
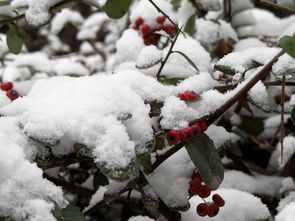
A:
(293, 115)
(288, 44)
(15, 39)
(225, 69)
(252, 125)
(171, 81)
(70, 213)
(188, 59)
(190, 26)
(206, 159)
(146, 162)
(5, 2)
(176, 4)
(99, 179)
(117, 8)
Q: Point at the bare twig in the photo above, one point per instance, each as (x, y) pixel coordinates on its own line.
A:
(98, 51)
(220, 111)
(162, 12)
(282, 118)
(277, 6)
(168, 54)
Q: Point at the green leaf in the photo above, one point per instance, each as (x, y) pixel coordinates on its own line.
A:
(206, 159)
(99, 179)
(288, 44)
(171, 81)
(190, 26)
(146, 162)
(225, 69)
(15, 39)
(176, 4)
(252, 125)
(293, 115)
(5, 2)
(117, 8)
(70, 213)
(188, 59)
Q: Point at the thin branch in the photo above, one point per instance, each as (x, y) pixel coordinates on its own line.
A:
(277, 6)
(220, 111)
(162, 12)
(168, 54)
(97, 50)
(282, 118)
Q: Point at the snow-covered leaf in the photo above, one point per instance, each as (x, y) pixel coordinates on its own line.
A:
(70, 213)
(188, 60)
(225, 69)
(206, 159)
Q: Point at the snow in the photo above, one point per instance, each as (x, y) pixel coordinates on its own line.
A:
(257, 184)
(23, 190)
(286, 201)
(73, 100)
(289, 143)
(97, 197)
(247, 43)
(220, 136)
(64, 17)
(285, 66)
(248, 206)
(287, 214)
(148, 56)
(140, 218)
(38, 10)
(176, 171)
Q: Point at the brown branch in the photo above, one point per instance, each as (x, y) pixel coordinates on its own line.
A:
(97, 50)
(282, 118)
(220, 111)
(72, 188)
(277, 6)
(162, 12)
(168, 55)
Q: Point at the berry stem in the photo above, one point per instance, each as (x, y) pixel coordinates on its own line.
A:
(162, 12)
(168, 54)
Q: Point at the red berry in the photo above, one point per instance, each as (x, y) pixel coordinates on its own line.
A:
(218, 200)
(196, 130)
(194, 185)
(181, 97)
(203, 125)
(204, 191)
(139, 21)
(12, 94)
(173, 136)
(213, 210)
(6, 86)
(134, 27)
(161, 20)
(186, 134)
(202, 209)
(169, 29)
(145, 30)
(189, 96)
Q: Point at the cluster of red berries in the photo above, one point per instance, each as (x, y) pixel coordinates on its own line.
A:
(148, 33)
(189, 96)
(10, 93)
(210, 209)
(173, 136)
